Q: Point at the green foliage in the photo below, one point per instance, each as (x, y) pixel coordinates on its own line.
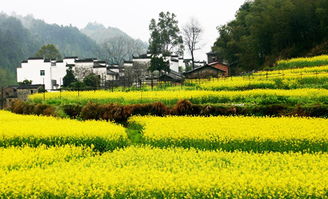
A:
(5, 78)
(267, 30)
(69, 78)
(16, 43)
(48, 51)
(25, 82)
(69, 39)
(92, 80)
(158, 64)
(77, 85)
(165, 35)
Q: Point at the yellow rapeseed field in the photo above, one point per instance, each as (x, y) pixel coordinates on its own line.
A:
(197, 96)
(239, 132)
(303, 61)
(144, 172)
(28, 129)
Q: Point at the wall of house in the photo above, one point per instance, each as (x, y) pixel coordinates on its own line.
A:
(174, 65)
(23, 94)
(222, 67)
(31, 71)
(58, 72)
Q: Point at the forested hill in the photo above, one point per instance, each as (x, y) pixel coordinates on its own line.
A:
(16, 44)
(101, 34)
(267, 30)
(68, 39)
(117, 46)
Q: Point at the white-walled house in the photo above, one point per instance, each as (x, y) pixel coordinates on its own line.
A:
(176, 62)
(50, 73)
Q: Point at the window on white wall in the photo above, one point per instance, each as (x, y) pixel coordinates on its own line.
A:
(42, 72)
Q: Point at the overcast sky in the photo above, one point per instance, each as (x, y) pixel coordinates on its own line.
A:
(131, 16)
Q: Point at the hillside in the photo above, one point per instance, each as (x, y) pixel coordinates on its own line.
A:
(101, 34)
(69, 40)
(117, 46)
(265, 31)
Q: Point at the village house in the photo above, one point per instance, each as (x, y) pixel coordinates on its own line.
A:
(50, 73)
(21, 92)
(213, 69)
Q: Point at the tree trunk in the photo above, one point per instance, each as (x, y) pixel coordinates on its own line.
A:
(192, 59)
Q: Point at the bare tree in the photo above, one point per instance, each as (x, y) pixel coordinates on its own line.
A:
(192, 33)
(122, 48)
(81, 72)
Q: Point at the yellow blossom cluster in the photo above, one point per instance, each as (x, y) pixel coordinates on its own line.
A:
(29, 129)
(237, 133)
(196, 96)
(145, 172)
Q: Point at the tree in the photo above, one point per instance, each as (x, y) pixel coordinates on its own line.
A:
(81, 72)
(192, 34)
(25, 82)
(159, 64)
(121, 48)
(165, 35)
(48, 51)
(92, 80)
(69, 78)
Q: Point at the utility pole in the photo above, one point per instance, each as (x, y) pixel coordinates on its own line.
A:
(44, 91)
(2, 98)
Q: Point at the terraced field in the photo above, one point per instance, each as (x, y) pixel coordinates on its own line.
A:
(173, 157)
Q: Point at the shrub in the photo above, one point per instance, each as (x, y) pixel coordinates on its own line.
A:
(183, 107)
(43, 109)
(158, 109)
(72, 110)
(17, 106)
(114, 112)
(90, 111)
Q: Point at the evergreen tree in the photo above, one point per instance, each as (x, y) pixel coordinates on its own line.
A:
(69, 78)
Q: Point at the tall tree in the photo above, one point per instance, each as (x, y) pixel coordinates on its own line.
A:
(192, 32)
(48, 51)
(165, 35)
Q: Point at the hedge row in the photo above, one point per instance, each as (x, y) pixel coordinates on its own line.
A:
(120, 113)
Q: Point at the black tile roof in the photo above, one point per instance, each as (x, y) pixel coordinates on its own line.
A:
(74, 57)
(85, 60)
(144, 56)
(110, 72)
(32, 86)
(35, 58)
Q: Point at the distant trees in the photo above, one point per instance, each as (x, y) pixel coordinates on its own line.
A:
(48, 51)
(192, 32)
(267, 30)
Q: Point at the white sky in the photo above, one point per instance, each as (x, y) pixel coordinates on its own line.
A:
(131, 16)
